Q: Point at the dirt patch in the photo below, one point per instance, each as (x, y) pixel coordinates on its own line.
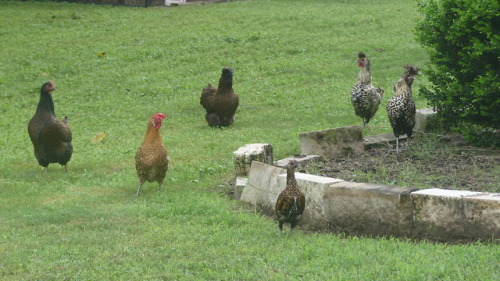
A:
(429, 161)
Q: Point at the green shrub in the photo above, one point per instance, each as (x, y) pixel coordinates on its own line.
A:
(462, 39)
(479, 136)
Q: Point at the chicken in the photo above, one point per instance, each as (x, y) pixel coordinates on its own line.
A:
(364, 97)
(291, 202)
(221, 103)
(151, 159)
(401, 107)
(51, 138)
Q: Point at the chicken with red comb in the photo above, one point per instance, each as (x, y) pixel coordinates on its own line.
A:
(151, 159)
(365, 98)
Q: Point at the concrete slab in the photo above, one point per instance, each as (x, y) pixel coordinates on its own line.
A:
(262, 188)
(447, 193)
(456, 214)
(302, 159)
(240, 183)
(313, 187)
(265, 182)
(338, 142)
(361, 208)
(243, 157)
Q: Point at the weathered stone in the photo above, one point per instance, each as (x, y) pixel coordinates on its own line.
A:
(313, 188)
(244, 156)
(361, 208)
(239, 184)
(338, 142)
(371, 209)
(302, 159)
(266, 182)
(262, 188)
(381, 140)
(456, 214)
(425, 120)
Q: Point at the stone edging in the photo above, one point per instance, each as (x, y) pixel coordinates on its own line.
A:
(370, 209)
(380, 210)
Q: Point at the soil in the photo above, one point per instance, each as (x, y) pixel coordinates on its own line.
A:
(429, 161)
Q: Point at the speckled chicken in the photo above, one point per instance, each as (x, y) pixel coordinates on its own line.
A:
(151, 159)
(401, 107)
(291, 202)
(221, 103)
(51, 137)
(364, 97)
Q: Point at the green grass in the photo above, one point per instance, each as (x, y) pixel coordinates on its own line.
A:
(294, 65)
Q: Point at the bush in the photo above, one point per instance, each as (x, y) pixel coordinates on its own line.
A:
(479, 136)
(462, 39)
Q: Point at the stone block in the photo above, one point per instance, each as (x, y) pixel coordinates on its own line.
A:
(380, 210)
(265, 183)
(313, 188)
(425, 120)
(302, 159)
(243, 157)
(338, 142)
(448, 215)
(239, 184)
(262, 188)
(381, 140)
(361, 208)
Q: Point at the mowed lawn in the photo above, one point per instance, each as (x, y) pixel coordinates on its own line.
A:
(294, 66)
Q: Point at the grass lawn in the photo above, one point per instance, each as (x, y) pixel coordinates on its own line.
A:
(294, 64)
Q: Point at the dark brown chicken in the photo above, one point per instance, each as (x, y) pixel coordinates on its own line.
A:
(151, 159)
(221, 103)
(401, 107)
(291, 202)
(364, 97)
(51, 138)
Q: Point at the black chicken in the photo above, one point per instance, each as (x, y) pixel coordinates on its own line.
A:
(401, 107)
(221, 103)
(51, 138)
(364, 97)
(291, 202)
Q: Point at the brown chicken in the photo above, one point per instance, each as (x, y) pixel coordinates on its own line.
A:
(51, 138)
(291, 202)
(401, 108)
(221, 103)
(151, 159)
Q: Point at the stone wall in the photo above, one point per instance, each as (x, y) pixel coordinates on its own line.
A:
(380, 210)
(362, 208)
